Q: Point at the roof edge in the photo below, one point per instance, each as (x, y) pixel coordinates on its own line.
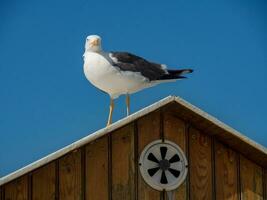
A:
(220, 124)
(120, 123)
(55, 155)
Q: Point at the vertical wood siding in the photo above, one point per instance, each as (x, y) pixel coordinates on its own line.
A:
(123, 166)
(1, 193)
(265, 184)
(107, 168)
(148, 131)
(70, 176)
(200, 165)
(226, 171)
(251, 180)
(43, 183)
(17, 189)
(174, 130)
(97, 170)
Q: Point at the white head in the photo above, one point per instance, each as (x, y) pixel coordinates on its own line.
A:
(93, 43)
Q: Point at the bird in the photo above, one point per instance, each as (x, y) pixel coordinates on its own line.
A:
(122, 73)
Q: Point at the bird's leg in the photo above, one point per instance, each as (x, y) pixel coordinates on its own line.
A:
(111, 107)
(128, 104)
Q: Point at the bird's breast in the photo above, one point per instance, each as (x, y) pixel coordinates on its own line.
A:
(100, 72)
(96, 67)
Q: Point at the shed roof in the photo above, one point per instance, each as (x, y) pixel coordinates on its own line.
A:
(187, 111)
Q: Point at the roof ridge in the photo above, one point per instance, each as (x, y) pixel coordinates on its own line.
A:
(101, 132)
(221, 124)
(90, 137)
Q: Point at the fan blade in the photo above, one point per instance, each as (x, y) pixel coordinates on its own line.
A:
(152, 171)
(163, 151)
(163, 179)
(174, 172)
(175, 158)
(151, 157)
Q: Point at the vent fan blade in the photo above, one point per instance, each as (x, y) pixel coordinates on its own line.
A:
(163, 151)
(175, 158)
(174, 172)
(152, 171)
(163, 179)
(151, 157)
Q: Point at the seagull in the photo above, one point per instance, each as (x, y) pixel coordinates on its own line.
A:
(123, 73)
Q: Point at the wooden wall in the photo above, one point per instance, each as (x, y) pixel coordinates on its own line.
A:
(108, 167)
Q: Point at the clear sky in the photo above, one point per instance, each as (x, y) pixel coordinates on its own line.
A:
(46, 102)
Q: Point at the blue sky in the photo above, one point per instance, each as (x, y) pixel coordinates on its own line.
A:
(46, 102)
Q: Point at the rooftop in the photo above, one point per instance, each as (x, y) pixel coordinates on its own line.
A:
(188, 112)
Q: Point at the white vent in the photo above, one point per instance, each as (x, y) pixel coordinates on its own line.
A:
(163, 165)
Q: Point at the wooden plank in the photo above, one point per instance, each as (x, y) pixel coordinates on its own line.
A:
(43, 183)
(265, 183)
(17, 189)
(174, 130)
(70, 176)
(200, 165)
(1, 193)
(226, 174)
(123, 168)
(97, 170)
(148, 131)
(251, 180)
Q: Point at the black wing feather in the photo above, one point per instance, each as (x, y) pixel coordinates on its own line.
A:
(131, 62)
(153, 71)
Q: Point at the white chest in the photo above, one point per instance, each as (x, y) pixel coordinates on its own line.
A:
(110, 79)
(96, 66)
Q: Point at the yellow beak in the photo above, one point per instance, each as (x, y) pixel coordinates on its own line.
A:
(94, 42)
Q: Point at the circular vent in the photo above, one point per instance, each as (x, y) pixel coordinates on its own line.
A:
(163, 165)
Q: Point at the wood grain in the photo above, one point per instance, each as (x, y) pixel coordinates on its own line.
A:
(265, 183)
(70, 176)
(1, 193)
(148, 131)
(226, 174)
(174, 130)
(97, 170)
(251, 180)
(43, 183)
(123, 168)
(17, 189)
(200, 166)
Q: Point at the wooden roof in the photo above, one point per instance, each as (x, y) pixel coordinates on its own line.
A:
(184, 110)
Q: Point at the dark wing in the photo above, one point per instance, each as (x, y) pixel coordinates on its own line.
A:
(153, 71)
(129, 62)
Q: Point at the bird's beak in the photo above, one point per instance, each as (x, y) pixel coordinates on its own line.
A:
(95, 42)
